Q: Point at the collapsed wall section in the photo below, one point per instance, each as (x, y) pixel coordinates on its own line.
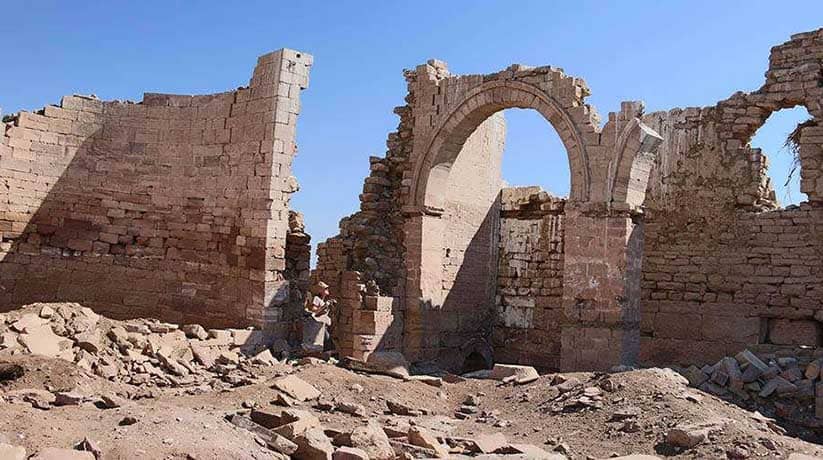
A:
(175, 207)
(725, 268)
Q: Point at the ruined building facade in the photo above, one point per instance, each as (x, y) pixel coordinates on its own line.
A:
(176, 207)
(669, 249)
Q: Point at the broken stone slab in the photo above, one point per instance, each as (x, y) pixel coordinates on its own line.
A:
(813, 369)
(53, 453)
(313, 444)
(28, 322)
(422, 437)
(390, 363)
(349, 453)
(44, 342)
(207, 356)
(112, 401)
(68, 398)
(10, 452)
(695, 376)
(427, 379)
(264, 358)
(399, 408)
(686, 437)
(489, 443)
(195, 331)
(273, 440)
(350, 408)
(295, 422)
(373, 440)
(512, 372)
(296, 388)
(779, 385)
(751, 359)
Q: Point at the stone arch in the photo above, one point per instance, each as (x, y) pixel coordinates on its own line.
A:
(635, 150)
(432, 169)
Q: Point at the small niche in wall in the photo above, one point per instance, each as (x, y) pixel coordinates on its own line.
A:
(790, 332)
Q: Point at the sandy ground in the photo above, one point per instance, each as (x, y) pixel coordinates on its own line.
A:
(173, 424)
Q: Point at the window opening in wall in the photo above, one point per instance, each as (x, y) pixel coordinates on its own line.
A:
(775, 140)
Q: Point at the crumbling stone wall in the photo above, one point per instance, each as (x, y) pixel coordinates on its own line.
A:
(400, 237)
(175, 207)
(529, 298)
(723, 267)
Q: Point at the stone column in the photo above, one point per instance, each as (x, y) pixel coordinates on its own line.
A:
(601, 288)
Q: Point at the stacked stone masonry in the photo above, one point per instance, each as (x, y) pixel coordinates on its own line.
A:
(674, 249)
(176, 207)
(529, 297)
(724, 267)
(439, 214)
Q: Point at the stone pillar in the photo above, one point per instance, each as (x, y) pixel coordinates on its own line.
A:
(601, 289)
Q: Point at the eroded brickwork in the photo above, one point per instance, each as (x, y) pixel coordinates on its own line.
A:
(175, 207)
(529, 296)
(724, 268)
(437, 228)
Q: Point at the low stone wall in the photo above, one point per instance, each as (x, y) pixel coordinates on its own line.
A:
(175, 207)
(529, 278)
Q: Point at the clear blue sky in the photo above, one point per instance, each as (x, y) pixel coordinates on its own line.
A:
(666, 53)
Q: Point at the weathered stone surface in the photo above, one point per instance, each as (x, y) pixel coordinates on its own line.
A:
(371, 439)
(9, 452)
(313, 444)
(296, 388)
(422, 437)
(53, 453)
(349, 453)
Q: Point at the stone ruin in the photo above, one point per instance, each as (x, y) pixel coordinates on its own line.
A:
(669, 249)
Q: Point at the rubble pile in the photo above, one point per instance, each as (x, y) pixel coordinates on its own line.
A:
(297, 432)
(789, 385)
(138, 352)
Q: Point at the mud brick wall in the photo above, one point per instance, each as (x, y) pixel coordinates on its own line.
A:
(725, 268)
(529, 278)
(175, 207)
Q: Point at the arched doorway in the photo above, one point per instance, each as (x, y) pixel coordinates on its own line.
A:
(462, 110)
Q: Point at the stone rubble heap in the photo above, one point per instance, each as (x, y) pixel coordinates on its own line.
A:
(138, 352)
(296, 432)
(788, 384)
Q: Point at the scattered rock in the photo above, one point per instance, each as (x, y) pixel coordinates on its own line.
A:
(127, 420)
(296, 388)
(373, 440)
(68, 398)
(313, 444)
(686, 437)
(349, 453)
(489, 443)
(195, 331)
(422, 437)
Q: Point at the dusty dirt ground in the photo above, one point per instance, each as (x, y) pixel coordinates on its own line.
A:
(634, 412)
